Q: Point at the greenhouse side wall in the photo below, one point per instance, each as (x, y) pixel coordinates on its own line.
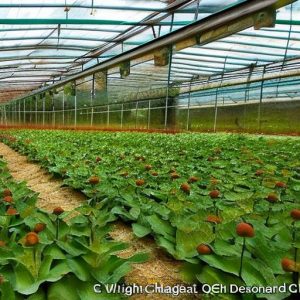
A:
(281, 116)
(152, 101)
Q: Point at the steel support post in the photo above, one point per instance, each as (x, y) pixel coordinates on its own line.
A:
(107, 121)
(5, 118)
(168, 87)
(136, 113)
(188, 108)
(63, 109)
(260, 99)
(92, 100)
(216, 101)
(19, 102)
(149, 114)
(36, 113)
(75, 110)
(24, 112)
(122, 114)
(43, 111)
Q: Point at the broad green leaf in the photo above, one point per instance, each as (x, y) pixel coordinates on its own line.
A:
(79, 267)
(64, 290)
(187, 241)
(7, 291)
(139, 230)
(213, 276)
(161, 227)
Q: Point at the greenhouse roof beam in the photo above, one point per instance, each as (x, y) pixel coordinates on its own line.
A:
(249, 34)
(204, 8)
(64, 29)
(240, 51)
(87, 22)
(11, 58)
(279, 30)
(222, 56)
(288, 22)
(28, 21)
(257, 45)
(47, 47)
(16, 70)
(180, 60)
(76, 38)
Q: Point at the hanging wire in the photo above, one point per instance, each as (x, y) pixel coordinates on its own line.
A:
(92, 9)
(66, 10)
(58, 34)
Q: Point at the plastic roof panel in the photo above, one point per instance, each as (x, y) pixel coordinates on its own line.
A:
(67, 47)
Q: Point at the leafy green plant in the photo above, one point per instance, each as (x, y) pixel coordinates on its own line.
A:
(53, 255)
(236, 178)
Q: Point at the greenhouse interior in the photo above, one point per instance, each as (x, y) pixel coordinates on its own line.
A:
(149, 149)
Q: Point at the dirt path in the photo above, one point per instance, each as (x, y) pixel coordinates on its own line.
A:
(159, 268)
(51, 194)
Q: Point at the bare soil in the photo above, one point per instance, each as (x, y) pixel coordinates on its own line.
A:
(160, 268)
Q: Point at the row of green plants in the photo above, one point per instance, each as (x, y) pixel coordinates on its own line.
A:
(190, 191)
(55, 255)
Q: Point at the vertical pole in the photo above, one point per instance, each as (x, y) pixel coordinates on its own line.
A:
(107, 121)
(24, 112)
(36, 114)
(30, 109)
(53, 112)
(216, 111)
(149, 114)
(14, 112)
(168, 86)
(63, 109)
(92, 116)
(159, 30)
(169, 75)
(122, 114)
(260, 99)
(188, 108)
(286, 47)
(44, 110)
(136, 113)
(172, 21)
(75, 110)
(247, 92)
(216, 101)
(197, 10)
(92, 100)
(19, 112)
(5, 119)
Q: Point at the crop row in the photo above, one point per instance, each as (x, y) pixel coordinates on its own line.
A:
(43, 256)
(190, 191)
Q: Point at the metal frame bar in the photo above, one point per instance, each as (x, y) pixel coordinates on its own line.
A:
(216, 100)
(260, 100)
(82, 6)
(287, 43)
(68, 21)
(188, 107)
(220, 56)
(168, 87)
(204, 8)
